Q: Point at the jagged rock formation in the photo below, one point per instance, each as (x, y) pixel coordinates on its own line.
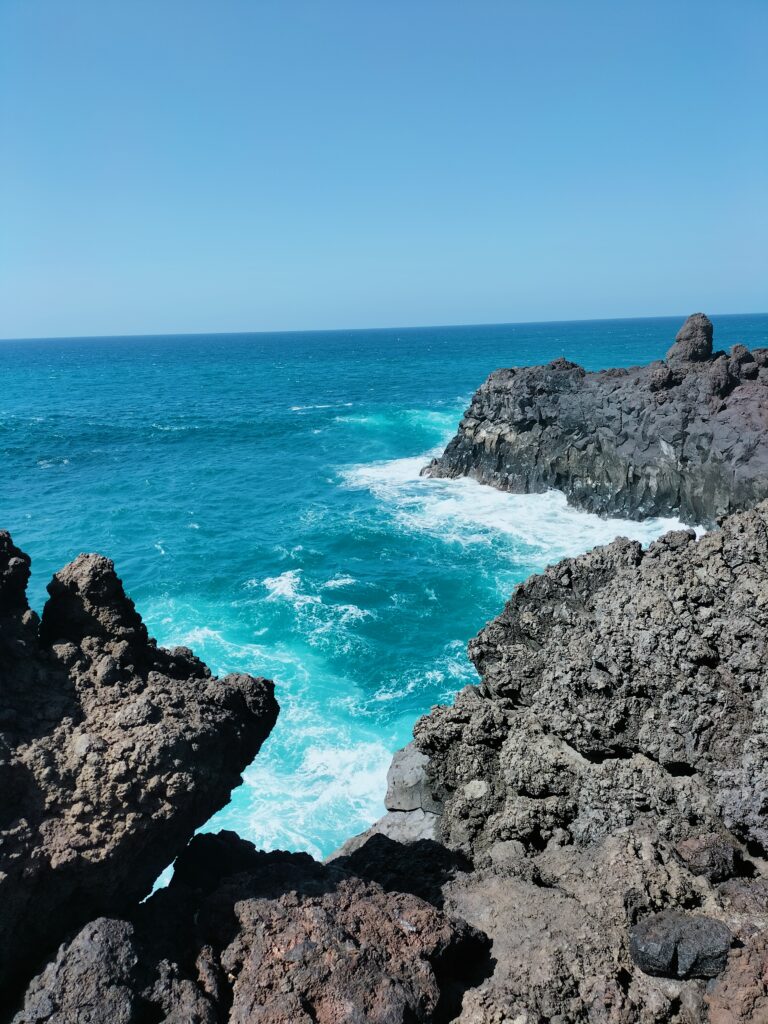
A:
(625, 686)
(112, 752)
(273, 938)
(684, 436)
(612, 765)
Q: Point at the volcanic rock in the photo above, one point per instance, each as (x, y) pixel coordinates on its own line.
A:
(682, 437)
(412, 810)
(620, 687)
(113, 751)
(611, 766)
(273, 938)
(677, 945)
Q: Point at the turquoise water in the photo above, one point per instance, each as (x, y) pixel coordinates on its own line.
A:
(260, 497)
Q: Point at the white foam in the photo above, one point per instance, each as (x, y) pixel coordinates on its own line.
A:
(175, 428)
(463, 511)
(339, 581)
(286, 587)
(351, 613)
(336, 782)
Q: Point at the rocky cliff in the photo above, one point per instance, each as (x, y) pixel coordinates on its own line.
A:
(581, 838)
(113, 752)
(608, 779)
(683, 436)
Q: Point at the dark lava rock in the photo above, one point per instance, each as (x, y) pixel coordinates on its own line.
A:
(113, 752)
(273, 938)
(683, 437)
(710, 855)
(676, 945)
(622, 687)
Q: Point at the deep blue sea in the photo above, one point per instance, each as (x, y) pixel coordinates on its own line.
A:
(260, 497)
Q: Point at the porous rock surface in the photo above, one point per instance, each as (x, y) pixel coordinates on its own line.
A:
(683, 436)
(113, 752)
(612, 766)
(273, 938)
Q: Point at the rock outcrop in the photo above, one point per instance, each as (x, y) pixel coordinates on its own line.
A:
(684, 436)
(273, 938)
(608, 779)
(113, 752)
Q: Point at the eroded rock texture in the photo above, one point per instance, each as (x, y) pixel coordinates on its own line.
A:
(273, 938)
(612, 765)
(683, 436)
(112, 752)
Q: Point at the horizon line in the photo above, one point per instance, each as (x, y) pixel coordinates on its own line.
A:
(360, 330)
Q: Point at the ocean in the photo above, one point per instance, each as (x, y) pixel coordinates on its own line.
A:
(261, 499)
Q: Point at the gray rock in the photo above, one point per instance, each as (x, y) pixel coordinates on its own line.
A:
(624, 686)
(611, 765)
(407, 786)
(677, 945)
(693, 342)
(413, 812)
(684, 437)
(401, 826)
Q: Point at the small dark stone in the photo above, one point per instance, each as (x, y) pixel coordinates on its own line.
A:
(677, 945)
(709, 855)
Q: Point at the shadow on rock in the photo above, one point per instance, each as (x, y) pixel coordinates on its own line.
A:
(240, 935)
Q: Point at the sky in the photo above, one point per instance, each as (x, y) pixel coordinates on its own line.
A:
(244, 165)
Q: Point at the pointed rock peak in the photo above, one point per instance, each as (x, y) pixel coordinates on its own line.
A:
(87, 599)
(14, 576)
(693, 343)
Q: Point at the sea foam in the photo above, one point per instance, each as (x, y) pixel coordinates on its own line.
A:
(463, 511)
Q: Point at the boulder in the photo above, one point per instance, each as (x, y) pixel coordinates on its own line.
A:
(273, 938)
(677, 945)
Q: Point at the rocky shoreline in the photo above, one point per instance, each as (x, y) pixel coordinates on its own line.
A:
(581, 838)
(683, 436)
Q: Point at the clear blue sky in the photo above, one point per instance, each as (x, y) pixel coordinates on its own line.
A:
(232, 165)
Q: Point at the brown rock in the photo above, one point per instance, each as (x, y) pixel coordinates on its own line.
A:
(113, 752)
(740, 994)
(273, 938)
(711, 855)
